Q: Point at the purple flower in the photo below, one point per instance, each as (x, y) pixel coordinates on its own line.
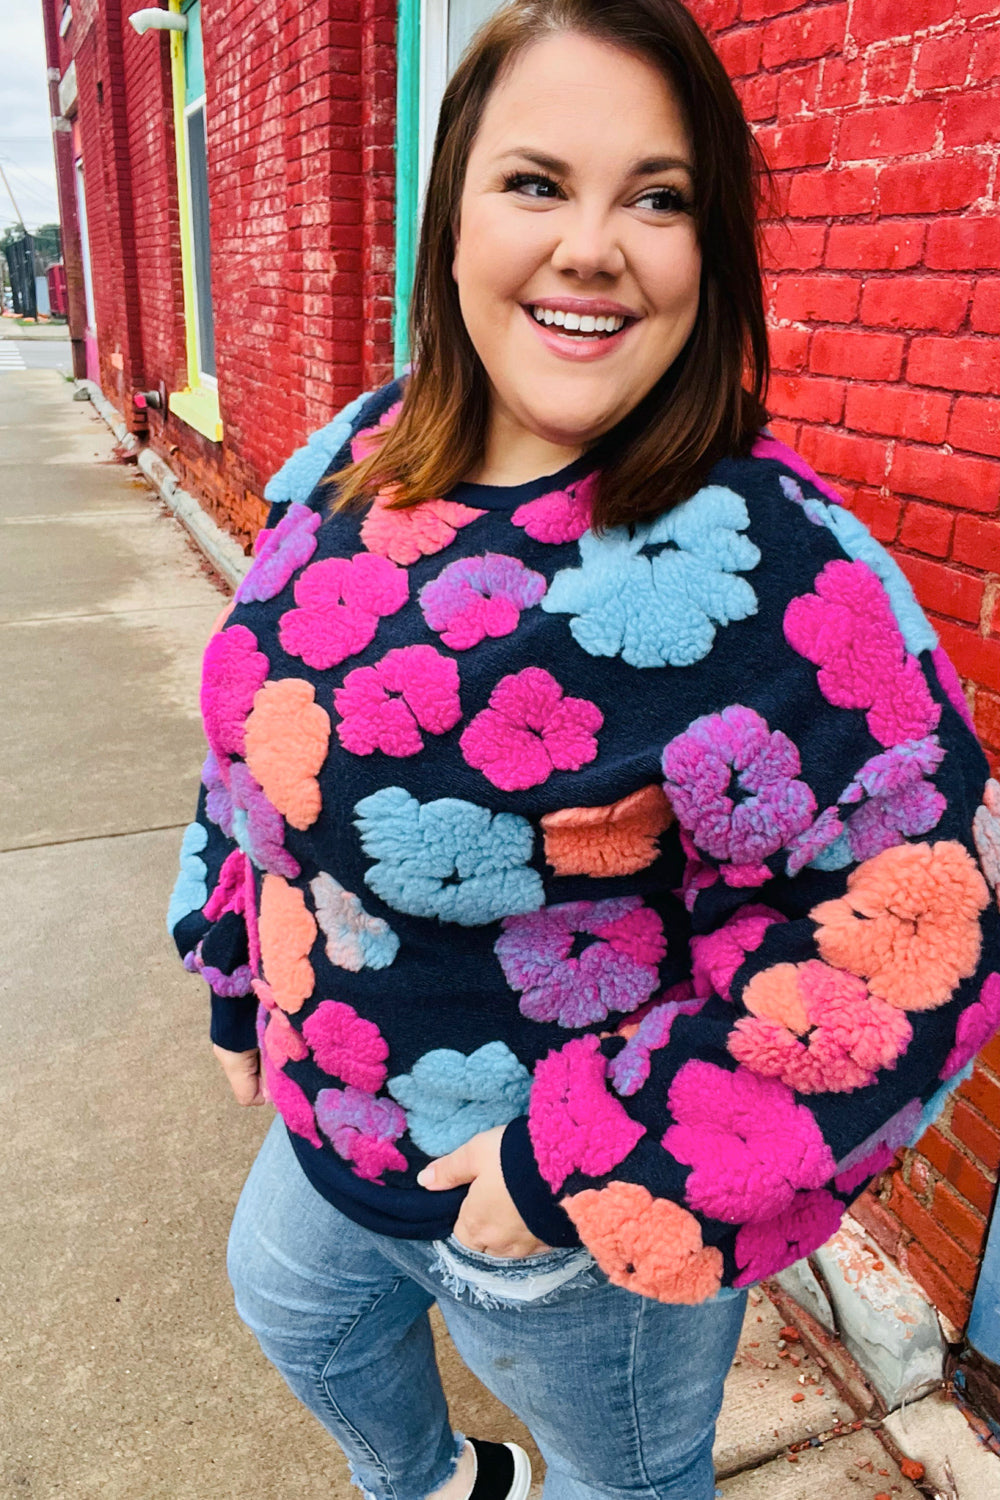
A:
(629, 1070)
(245, 814)
(740, 824)
(475, 597)
(975, 1026)
(279, 552)
(900, 802)
(617, 973)
(362, 1130)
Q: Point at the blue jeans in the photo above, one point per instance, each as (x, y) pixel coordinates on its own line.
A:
(619, 1392)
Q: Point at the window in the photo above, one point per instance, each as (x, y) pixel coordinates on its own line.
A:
(432, 36)
(198, 405)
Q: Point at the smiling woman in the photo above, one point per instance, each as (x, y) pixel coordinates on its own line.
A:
(609, 885)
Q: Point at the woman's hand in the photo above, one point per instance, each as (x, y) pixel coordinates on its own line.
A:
(487, 1220)
(243, 1071)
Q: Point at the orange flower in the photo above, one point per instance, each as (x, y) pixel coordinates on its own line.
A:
(908, 923)
(287, 736)
(287, 933)
(614, 840)
(647, 1245)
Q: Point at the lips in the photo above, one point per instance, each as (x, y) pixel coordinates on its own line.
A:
(583, 342)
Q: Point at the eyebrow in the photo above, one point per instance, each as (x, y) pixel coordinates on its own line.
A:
(646, 167)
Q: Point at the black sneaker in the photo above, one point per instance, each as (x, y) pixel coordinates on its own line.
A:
(503, 1471)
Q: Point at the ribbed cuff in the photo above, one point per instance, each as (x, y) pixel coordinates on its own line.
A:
(531, 1193)
(234, 1022)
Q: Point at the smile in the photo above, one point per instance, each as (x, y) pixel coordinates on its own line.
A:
(579, 325)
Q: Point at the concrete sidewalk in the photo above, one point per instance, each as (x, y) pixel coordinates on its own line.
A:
(124, 1373)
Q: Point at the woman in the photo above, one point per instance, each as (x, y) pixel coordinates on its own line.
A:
(588, 806)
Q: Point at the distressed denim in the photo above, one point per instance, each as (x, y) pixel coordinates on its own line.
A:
(620, 1392)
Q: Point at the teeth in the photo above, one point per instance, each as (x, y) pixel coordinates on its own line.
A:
(576, 322)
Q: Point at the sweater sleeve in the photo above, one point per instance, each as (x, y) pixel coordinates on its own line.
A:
(212, 910)
(839, 851)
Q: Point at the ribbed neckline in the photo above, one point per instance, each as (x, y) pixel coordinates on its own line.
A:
(510, 496)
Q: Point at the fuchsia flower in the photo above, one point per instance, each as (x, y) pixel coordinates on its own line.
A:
(362, 1130)
(230, 892)
(286, 1096)
(562, 516)
(232, 671)
(347, 1046)
(531, 730)
(817, 1029)
(617, 973)
(476, 597)
(699, 767)
(367, 440)
(976, 1025)
(404, 536)
(750, 1146)
(279, 552)
(340, 602)
(763, 1249)
(382, 706)
(716, 956)
(573, 1121)
(848, 629)
(282, 1042)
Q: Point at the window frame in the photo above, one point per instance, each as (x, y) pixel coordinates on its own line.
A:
(198, 403)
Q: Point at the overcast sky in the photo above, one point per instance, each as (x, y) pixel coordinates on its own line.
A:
(25, 134)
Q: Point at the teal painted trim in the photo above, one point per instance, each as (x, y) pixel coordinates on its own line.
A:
(407, 170)
(194, 60)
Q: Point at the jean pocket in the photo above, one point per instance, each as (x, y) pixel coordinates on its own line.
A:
(497, 1280)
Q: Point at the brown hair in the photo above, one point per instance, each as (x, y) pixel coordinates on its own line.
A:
(709, 403)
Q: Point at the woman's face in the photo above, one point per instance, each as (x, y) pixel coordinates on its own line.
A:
(577, 259)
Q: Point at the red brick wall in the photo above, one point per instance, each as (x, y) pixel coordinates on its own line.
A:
(881, 121)
(301, 125)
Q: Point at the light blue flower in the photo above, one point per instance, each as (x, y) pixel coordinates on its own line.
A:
(656, 608)
(448, 859)
(191, 888)
(301, 473)
(450, 1097)
(354, 939)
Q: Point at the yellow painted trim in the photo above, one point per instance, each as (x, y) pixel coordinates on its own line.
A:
(199, 408)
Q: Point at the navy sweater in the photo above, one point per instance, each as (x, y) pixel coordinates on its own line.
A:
(664, 849)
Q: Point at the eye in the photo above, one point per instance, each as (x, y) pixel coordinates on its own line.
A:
(664, 200)
(531, 185)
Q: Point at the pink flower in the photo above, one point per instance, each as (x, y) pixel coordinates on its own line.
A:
(286, 1096)
(279, 552)
(896, 800)
(347, 1046)
(232, 671)
(951, 685)
(619, 973)
(975, 1026)
(367, 440)
(733, 785)
(817, 1029)
(751, 1147)
(718, 955)
(531, 730)
(574, 1123)
(362, 1130)
(230, 892)
(340, 602)
(848, 629)
(769, 447)
(763, 1249)
(698, 876)
(476, 597)
(562, 516)
(282, 1042)
(381, 706)
(418, 531)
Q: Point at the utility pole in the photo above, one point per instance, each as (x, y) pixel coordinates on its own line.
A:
(13, 200)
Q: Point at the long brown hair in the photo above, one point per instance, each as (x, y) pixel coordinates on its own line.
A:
(709, 403)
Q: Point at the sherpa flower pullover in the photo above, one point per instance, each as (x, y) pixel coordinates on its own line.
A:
(663, 848)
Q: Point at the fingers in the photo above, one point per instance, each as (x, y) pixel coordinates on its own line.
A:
(448, 1171)
(242, 1069)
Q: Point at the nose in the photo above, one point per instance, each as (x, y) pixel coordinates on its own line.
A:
(588, 245)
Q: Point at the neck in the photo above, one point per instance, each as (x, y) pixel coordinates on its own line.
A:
(514, 455)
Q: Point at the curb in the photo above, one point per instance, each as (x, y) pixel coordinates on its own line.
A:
(225, 555)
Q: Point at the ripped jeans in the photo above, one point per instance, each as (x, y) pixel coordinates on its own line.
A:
(619, 1392)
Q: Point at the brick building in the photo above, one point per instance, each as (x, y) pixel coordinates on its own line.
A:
(239, 200)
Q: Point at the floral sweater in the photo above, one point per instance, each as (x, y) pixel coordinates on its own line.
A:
(671, 850)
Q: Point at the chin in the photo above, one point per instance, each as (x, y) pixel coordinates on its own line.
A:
(571, 426)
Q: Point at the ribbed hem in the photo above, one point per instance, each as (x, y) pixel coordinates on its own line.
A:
(531, 1193)
(234, 1022)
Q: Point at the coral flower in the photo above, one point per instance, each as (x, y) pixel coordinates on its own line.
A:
(649, 1245)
